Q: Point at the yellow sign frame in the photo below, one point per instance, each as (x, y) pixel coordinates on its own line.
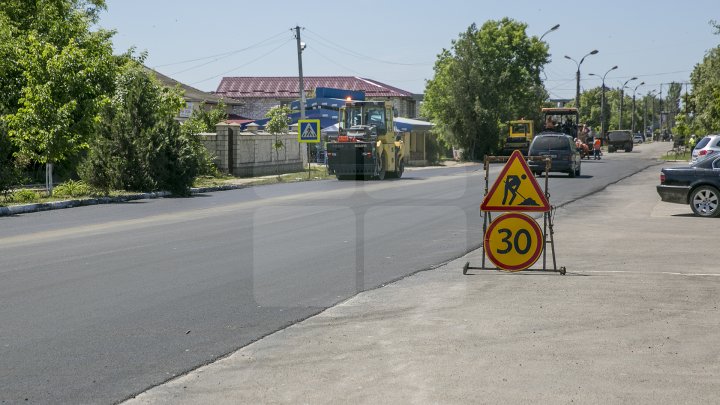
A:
(303, 126)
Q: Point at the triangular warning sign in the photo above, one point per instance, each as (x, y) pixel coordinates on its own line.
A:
(515, 189)
(309, 133)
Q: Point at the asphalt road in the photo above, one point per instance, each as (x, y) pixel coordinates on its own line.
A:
(100, 303)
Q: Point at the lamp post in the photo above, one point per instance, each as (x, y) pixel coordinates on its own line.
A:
(577, 75)
(633, 110)
(602, 101)
(650, 94)
(622, 99)
(554, 27)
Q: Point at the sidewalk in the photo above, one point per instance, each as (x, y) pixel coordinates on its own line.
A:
(634, 321)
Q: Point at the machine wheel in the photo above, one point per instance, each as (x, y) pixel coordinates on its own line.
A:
(344, 177)
(704, 201)
(400, 169)
(572, 172)
(381, 168)
(611, 149)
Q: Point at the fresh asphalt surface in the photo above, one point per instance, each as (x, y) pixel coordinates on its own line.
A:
(102, 302)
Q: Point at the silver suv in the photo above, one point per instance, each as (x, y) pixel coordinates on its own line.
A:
(707, 146)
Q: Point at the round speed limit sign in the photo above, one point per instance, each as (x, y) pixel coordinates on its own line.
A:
(513, 241)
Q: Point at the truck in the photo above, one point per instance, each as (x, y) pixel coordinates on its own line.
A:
(366, 145)
(520, 134)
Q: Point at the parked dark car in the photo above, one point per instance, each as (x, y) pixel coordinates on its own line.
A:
(697, 185)
(560, 148)
(620, 139)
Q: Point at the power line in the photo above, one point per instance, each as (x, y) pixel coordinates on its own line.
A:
(339, 48)
(245, 64)
(314, 50)
(224, 54)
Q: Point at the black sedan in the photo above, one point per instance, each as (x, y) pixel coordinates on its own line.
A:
(697, 185)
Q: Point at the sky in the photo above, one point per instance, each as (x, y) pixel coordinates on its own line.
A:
(397, 42)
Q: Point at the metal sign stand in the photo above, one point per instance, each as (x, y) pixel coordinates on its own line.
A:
(548, 233)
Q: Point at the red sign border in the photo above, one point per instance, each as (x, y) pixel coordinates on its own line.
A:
(533, 224)
(544, 204)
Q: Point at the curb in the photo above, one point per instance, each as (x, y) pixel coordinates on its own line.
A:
(56, 205)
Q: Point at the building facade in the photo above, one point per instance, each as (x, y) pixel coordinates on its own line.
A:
(260, 94)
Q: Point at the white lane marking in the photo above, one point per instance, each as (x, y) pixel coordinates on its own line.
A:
(670, 273)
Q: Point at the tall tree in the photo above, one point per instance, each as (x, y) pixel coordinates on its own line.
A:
(488, 77)
(58, 74)
(139, 145)
(705, 81)
(204, 120)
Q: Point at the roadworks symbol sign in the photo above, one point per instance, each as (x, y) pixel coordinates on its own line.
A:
(515, 189)
(309, 131)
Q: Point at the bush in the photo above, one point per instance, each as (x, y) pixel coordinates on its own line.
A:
(23, 196)
(72, 188)
(10, 174)
(139, 145)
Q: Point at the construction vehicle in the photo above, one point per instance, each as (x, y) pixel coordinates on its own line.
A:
(367, 145)
(520, 134)
(564, 120)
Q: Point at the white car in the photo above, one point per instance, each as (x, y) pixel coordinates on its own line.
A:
(637, 138)
(707, 146)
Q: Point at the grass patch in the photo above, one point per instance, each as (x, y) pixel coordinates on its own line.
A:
(316, 173)
(682, 156)
(80, 190)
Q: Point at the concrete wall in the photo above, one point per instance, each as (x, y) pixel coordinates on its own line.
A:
(252, 153)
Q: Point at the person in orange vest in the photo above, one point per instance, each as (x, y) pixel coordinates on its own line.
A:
(596, 148)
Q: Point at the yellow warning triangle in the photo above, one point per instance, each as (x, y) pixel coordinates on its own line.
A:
(515, 189)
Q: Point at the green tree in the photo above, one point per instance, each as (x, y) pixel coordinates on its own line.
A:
(488, 77)
(278, 124)
(139, 145)
(705, 81)
(56, 77)
(205, 119)
(202, 120)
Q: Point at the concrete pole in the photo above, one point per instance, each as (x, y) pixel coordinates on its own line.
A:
(300, 47)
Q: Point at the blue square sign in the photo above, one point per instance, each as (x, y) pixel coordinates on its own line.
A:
(309, 131)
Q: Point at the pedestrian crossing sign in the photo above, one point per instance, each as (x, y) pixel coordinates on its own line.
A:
(309, 131)
(515, 189)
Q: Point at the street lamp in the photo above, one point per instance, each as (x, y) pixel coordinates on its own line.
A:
(577, 75)
(622, 99)
(556, 26)
(633, 113)
(650, 94)
(602, 102)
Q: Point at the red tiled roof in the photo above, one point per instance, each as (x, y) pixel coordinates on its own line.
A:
(287, 87)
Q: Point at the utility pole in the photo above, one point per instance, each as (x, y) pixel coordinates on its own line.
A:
(633, 108)
(577, 75)
(661, 113)
(300, 47)
(644, 131)
(603, 128)
(622, 99)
